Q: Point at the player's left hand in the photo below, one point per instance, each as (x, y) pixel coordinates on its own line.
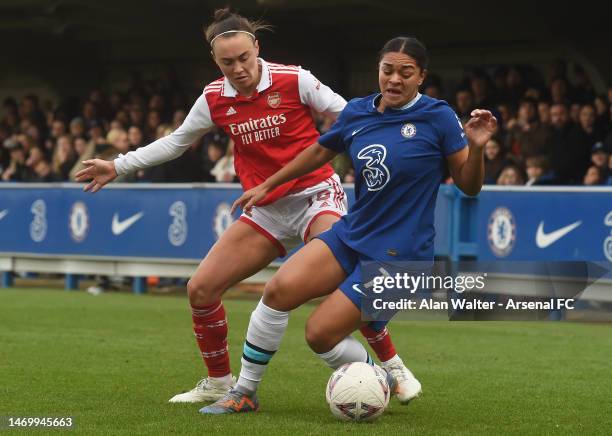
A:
(480, 128)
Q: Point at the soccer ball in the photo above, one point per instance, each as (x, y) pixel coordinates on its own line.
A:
(357, 391)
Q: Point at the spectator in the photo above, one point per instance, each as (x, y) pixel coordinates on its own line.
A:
(433, 86)
(77, 128)
(84, 151)
(123, 117)
(64, 158)
(349, 177)
(511, 175)
(10, 107)
(135, 137)
(43, 173)
(544, 112)
(505, 120)
(30, 109)
(158, 103)
(96, 132)
(580, 141)
(137, 117)
(495, 161)
(58, 128)
(599, 158)
(34, 156)
(464, 104)
(574, 112)
(89, 112)
(215, 152)
(559, 155)
(16, 171)
(115, 103)
(481, 89)
(153, 122)
(537, 169)
(116, 125)
(178, 118)
(528, 137)
(224, 171)
(433, 90)
(593, 176)
(27, 142)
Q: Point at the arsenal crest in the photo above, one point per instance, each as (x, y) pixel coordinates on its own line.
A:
(274, 100)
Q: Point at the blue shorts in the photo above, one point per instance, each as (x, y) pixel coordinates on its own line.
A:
(350, 261)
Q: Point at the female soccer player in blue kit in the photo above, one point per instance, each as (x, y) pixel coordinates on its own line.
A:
(400, 142)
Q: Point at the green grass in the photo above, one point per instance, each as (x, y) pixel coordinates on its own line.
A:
(111, 362)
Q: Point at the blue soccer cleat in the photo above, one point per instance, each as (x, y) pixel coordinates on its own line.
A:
(232, 402)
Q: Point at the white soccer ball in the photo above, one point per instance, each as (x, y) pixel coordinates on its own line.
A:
(357, 391)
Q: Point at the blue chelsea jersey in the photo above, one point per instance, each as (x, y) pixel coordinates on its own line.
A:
(399, 160)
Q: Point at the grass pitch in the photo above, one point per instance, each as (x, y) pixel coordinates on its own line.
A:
(111, 362)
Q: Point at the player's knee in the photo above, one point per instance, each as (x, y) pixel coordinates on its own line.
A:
(202, 294)
(317, 337)
(276, 294)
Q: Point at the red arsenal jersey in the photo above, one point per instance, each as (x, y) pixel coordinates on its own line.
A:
(274, 125)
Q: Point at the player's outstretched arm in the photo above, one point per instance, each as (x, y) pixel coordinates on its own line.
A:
(99, 171)
(307, 161)
(196, 124)
(467, 166)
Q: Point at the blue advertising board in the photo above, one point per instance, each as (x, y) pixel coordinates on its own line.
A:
(183, 221)
(545, 223)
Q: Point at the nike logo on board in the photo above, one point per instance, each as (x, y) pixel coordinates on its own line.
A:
(120, 226)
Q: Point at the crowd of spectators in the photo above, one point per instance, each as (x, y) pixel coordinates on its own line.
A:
(553, 130)
(47, 142)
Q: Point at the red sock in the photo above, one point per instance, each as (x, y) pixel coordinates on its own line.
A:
(210, 329)
(380, 342)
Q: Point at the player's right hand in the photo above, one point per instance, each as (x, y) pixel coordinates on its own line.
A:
(249, 199)
(99, 171)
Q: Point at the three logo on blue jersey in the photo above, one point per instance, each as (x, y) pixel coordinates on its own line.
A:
(375, 173)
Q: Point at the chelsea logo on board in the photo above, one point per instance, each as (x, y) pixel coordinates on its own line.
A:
(501, 231)
(408, 130)
(78, 221)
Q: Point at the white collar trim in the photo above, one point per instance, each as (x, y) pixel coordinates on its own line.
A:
(264, 82)
(406, 106)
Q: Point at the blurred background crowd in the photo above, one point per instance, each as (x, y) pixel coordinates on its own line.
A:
(554, 129)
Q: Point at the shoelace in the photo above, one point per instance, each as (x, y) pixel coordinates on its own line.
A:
(202, 383)
(399, 373)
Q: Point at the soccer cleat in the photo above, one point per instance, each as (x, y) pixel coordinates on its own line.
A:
(207, 389)
(232, 402)
(404, 385)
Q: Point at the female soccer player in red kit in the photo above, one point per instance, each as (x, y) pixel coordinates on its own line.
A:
(266, 109)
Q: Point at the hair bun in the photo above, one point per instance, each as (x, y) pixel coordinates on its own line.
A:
(222, 14)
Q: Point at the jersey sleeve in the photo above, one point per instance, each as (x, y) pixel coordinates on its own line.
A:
(196, 124)
(334, 138)
(317, 95)
(451, 130)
